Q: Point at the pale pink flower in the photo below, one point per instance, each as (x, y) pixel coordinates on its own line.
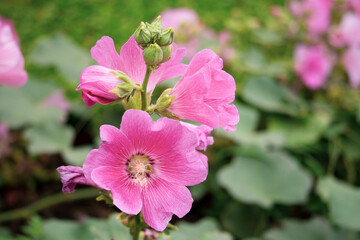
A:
(12, 71)
(202, 132)
(355, 5)
(351, 62)
(146, 166)
(312, 64)
(296, 8)
(204, 93)
(226, 51)
(5, 139)
(319, 11)
(183, 20)
(97, 81)
(348, 31)
(71, 176)
(58, 100)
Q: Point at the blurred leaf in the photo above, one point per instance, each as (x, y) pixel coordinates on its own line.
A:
(65, 229)
(343, 200)
(266, 178)
(205, 229)
(23, 106)
(34, 227)
(314, 229)
(266, 94)
(59, 51)
(300, 132)
(76, 156)
(267, 37)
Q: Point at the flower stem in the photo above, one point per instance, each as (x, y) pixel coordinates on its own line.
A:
(144, 91)
(46, 202)
(136, 228)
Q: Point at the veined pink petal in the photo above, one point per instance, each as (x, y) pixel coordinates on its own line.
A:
(12, 71)
(351, 61)
(161, 199)
(105, 54)
(126, 194)
(71, 176)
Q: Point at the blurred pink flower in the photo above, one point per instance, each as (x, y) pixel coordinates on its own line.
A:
(202, 132)
(146, 166)
(296, 8)
(183, 20)
(348, 31)
(319, 12)
(71, 176)
(355, 5)
(96, 81)
(312, 64)
(58, 100)
(351, 62)
(12, 71)
(204, 93)
(5, 140)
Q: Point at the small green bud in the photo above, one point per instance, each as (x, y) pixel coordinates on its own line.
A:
(164, 102)
(125, 88)
(166, 38)
(167, 51)
(153, 55)
(155, 28)
(142, 35)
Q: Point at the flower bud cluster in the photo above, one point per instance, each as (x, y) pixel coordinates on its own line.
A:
(156, 42)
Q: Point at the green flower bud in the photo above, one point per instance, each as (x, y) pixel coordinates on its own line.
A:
(125, 88)
(142, 35)
(164, 102)
(166, 38)
(167, 51)
(153, 55)
(155, 28)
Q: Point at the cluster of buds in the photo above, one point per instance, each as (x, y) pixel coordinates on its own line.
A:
(155, 42)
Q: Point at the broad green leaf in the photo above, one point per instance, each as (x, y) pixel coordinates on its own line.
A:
(266, 94)
(76, 156)
(108, 229)
(59, 51)
(265, 179)
(343, 201)
(23, 106)
(314, 229)
(205, 229)
(65, 229)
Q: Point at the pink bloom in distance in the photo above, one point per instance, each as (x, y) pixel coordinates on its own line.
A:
(351, 63)
(184, 20)
(312, 65)
(58, 100)
(146, 166)
(355, 5)
(319, 12)
(97, 81)
(12, 71)
(348, 31)
(204, 93)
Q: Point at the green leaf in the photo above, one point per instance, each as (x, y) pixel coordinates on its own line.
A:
(205, 229)
(109, 229)
(314, 229)
(65, 229)
(266, 94)
(343, 200)
(76, 156)
(265, 178)
(59, 51)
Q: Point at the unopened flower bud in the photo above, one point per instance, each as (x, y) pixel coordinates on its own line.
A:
(142, 35)
(164, 102)
(155, 28)
(125, 88)
(167, 51)
(153, 55)
(166, 38)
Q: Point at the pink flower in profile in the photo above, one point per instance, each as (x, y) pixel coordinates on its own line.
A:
(347, 33)
(97, 81)
(12, 71)
(351, 62)
(202, 132)
(58, 100)
(146, 166)
(204, 93)
(319, 12)
(312, 64)
(71, 176)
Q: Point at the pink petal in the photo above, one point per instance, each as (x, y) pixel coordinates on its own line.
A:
(202, 132)
(71, 176)
(126, 194)
(105, 54)
(161, 200)
(351, 60)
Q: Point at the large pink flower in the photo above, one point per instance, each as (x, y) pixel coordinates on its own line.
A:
(313, 64)
(204, 93)
(347, 32)
(12, 71)
(146, 165)
(351, 62)
(97, 81)
(319, 12)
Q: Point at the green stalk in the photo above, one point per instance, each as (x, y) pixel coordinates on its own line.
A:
(143, 89)
(136, 228)
(46, 202)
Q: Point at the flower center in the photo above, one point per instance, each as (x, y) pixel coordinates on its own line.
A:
(139, 168)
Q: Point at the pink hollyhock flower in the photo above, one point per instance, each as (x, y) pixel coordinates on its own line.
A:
(146, 166)
(354, 4)
(183, 20)
(5, 139)
(71, 176)
(12, 71)
(347, 32)
(312, 65)
(58, 100)
(204, 93)
(97, 81)
(202, 132)
(351, 62)
(319, 12)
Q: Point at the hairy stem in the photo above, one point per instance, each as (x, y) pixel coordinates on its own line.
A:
(46, 202)
(144, 90)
